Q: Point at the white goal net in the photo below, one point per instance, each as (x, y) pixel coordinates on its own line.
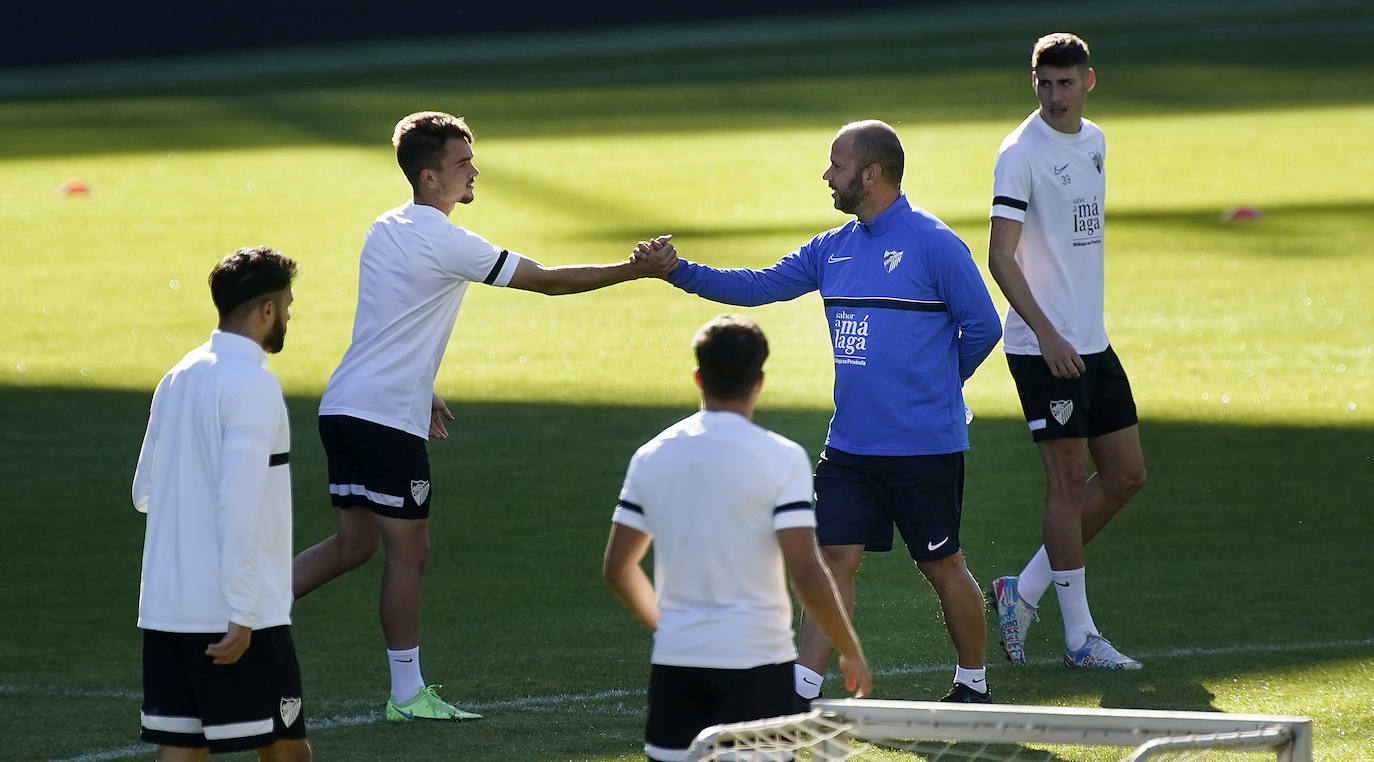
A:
(854, 730)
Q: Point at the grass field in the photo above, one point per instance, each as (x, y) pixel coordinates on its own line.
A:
(1241, 575)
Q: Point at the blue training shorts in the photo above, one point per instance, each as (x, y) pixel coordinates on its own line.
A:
(859, 498)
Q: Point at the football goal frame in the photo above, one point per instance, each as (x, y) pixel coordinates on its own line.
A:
(826, 731)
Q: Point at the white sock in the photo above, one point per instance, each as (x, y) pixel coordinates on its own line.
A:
(973, 678)
(1035, 578)
(807, 681)
(406, 682)
(1071, 587)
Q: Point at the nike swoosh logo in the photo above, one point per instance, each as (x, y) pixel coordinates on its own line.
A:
(405, 714)
(809, 682)
(833, 259)
(405, 661)
(1062, 584)
(977, 681)
(936, 545)
(1057, 170)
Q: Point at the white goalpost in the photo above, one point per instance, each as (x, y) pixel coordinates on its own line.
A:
(872, 730)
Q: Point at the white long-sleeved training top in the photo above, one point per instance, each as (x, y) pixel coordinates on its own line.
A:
(214, 479)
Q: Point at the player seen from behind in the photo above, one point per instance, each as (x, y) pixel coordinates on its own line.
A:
(727, 507)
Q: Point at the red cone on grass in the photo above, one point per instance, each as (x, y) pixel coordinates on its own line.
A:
(73, 186)
(1241, 213)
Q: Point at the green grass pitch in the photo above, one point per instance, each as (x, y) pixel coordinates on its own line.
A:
(1240, 576)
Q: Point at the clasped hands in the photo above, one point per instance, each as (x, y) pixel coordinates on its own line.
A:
(656, 257)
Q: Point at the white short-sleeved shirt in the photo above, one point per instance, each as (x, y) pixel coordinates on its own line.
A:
(414, 268)
(713, 490)
(214, 479)
(1055, 184)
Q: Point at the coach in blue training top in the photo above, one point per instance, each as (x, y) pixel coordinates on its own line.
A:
(910, 320)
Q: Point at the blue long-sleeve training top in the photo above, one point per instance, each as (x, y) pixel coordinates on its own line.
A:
(910, 320)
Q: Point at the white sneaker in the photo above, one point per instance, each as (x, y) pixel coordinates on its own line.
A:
(1014, 616)
(1097, 653)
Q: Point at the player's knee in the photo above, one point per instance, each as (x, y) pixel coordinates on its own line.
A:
(1065, 489)
(355, 550)
(942, 572)
(843, 561)
(1066, 480)
(1126, 483)
(411, 555)
(1137, 480)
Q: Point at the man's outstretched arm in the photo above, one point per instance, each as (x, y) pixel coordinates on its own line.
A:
(529, 275)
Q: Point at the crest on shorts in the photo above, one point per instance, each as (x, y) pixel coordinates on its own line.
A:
(1061, 410)
(419, 489)
(290, 710)
(891, 259)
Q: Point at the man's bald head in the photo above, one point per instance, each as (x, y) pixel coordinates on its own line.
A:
(875, 142)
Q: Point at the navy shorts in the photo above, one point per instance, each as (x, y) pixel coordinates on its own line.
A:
(859, 498)
(683, 701)
(189, 701)
(376, 467)
(1098, 402)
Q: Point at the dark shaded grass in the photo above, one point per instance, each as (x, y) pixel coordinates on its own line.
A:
(1242, 539)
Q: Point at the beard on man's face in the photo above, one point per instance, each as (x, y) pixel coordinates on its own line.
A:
(276, 338)
(848, 198)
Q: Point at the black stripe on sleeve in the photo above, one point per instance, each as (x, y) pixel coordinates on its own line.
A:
(278, 459)
(627, 505)
(891, 304)
(1009, 201)
(496, 269)
(800, 505)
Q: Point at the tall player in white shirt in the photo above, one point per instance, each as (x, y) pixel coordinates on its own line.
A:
(380, 408)
(1045, 250)
(727, 506)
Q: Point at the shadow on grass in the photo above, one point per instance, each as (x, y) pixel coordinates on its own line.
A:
(1277, 219)
(966, 67)
(1234, 546)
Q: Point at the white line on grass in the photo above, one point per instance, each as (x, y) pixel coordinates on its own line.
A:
(556, 702)
(565, 701)
(53, 691)
(142, 749)
(137, 750)
(1169, 653)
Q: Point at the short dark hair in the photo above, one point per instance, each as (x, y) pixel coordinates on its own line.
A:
(420, 139)
(247, 274)
(876, 142)
(730, 352)
(1060, 49)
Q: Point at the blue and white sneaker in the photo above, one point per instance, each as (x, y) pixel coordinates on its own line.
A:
(1014, 616)
(1097, 653)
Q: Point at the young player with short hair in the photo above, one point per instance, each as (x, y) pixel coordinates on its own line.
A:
(219, 667)
(380, 408)
(727, 507)
(1045, 250)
